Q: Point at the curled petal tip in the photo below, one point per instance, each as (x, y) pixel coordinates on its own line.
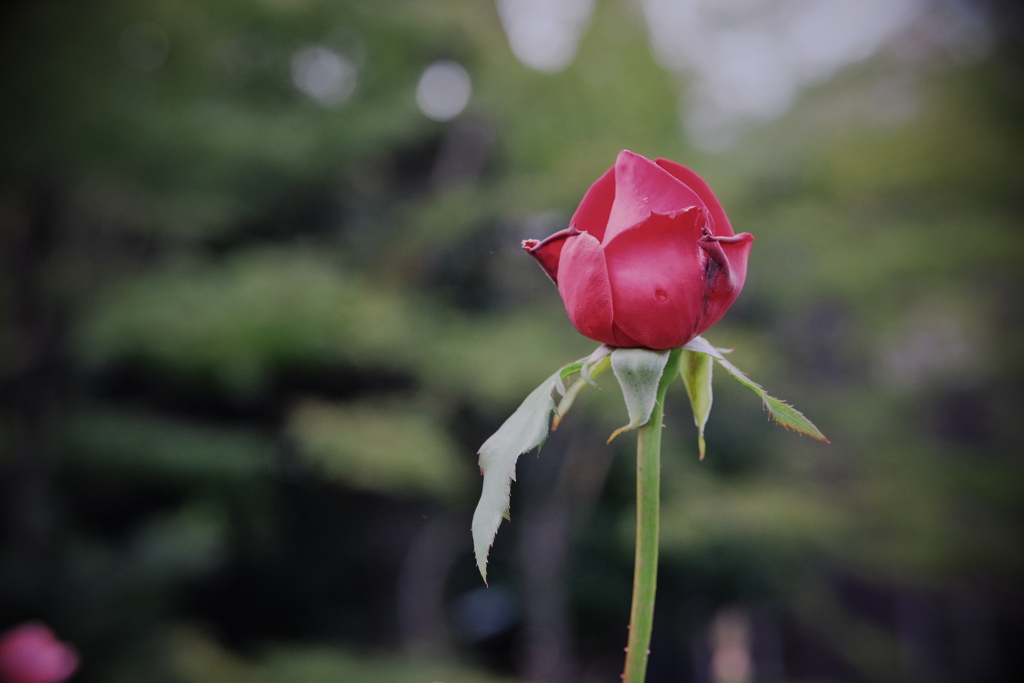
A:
(741, 238)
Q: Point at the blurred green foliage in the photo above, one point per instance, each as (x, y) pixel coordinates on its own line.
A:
(389, 449)
(251, 342)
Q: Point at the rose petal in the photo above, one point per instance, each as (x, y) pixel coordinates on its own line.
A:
(725, 274)
(722, 227)
(592, 214)
(642, 187)
(658, 278)
(585, 288)
(548, 251)
(622, 339)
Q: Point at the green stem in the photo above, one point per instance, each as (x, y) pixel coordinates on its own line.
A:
(645, 565)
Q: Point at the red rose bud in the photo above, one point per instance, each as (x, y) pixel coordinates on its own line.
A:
(31, 653)
(649, 258)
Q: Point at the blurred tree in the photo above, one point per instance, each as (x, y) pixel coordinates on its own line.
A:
(258, 312)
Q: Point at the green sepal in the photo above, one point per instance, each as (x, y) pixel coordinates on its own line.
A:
(638, 371)
(596, 363)
(589, 371)
(695, 369)
(783, 413)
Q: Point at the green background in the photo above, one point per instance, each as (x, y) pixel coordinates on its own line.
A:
(250, 343)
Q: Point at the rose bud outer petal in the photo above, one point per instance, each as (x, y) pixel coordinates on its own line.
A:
(548, 251)
(623, 339)
(722, 227)
(658, 279)
(592, 214)
(585, 288)
(642, 187)
(726, 271)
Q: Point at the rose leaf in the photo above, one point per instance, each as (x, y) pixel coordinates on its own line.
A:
(524, 430)
(783, 413)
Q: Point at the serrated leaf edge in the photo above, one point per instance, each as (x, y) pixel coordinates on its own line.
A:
(798, 424)
(494, 460)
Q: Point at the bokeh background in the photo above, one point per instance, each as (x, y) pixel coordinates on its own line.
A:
(262, 298)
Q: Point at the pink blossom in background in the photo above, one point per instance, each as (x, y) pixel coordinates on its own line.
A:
(30, 653)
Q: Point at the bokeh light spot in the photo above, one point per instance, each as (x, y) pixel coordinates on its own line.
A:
(746, 61)
(444, 90)
(544, 34)
(324, 75)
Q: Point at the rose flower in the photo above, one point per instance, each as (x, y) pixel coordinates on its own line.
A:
(30, 653)
(649, 258)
